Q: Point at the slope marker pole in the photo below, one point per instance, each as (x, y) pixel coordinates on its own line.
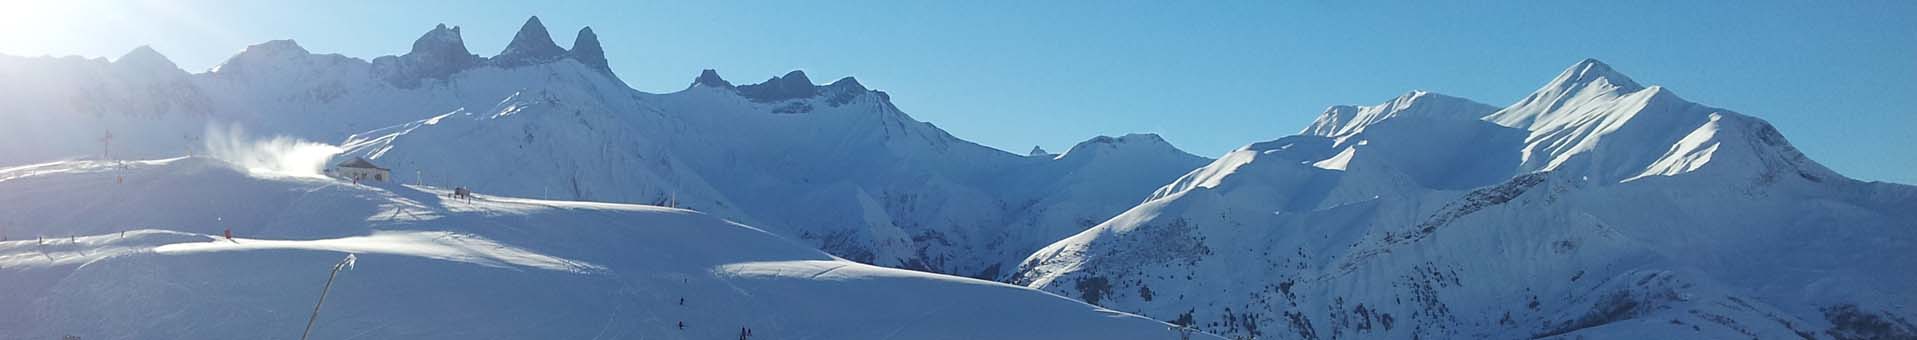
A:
(343, 264)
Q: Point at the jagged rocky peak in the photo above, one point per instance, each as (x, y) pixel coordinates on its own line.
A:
(440, 52)
(1038, 151)
(710, 78)
(530, 46)
(586, 49)
(796, 78)
(441, 42)
(793, 85)
(437, 54)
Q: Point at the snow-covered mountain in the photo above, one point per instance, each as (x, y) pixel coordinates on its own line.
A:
(1593, 208)
(135, 250)
(837, 165)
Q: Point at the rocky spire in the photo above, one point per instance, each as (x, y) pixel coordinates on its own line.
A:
(531, 45)
(438, 53)
(587, 51)
(441, 43)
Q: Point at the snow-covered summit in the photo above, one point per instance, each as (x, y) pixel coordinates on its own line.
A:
(1346, 119)
(144, 57)
(262, 56)
(1586, 81)
(1594, 122)
(1133, 142)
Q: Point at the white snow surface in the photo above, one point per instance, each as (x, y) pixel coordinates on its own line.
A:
(134, 251)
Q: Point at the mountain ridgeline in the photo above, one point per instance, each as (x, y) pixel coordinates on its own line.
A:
(836, 165)
(1593, 208)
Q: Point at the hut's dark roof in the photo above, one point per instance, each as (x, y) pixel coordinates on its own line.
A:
(360, 162)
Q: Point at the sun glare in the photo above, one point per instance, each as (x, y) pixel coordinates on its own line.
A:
(27, 26)
(93, 28)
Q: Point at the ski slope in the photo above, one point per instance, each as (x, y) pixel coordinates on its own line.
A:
(134, 250)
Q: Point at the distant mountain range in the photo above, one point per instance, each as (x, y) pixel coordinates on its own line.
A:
(1593, 208)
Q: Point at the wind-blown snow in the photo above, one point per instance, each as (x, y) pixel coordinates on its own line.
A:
(278, 155)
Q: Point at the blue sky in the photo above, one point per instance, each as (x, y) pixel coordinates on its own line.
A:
(1838, 78)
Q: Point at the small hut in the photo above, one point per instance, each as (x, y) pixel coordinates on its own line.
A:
(360, 169)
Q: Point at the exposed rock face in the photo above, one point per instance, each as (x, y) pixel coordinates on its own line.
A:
(532, 45)
(438, 54)
(793, 85)
(586, 50)
(710, 78)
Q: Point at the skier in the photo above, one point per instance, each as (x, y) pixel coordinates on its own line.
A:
(682, 325)
(229, 234)
(682, 301)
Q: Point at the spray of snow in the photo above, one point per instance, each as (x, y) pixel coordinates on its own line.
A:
(277, 155)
